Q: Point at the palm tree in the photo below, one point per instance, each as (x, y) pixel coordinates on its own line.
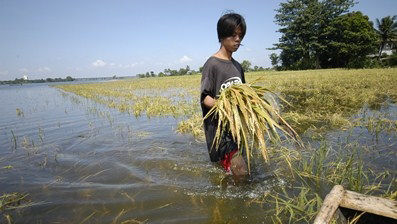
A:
(387, 30)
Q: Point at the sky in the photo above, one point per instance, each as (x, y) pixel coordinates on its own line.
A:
(98, 38)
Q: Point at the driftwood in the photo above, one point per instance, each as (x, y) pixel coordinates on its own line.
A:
(339, 197)
(330, 205)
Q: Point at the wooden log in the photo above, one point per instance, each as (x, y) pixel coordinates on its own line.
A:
(330, 205)
(370, 204)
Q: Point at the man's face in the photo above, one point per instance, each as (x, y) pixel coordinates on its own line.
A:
(232, 43)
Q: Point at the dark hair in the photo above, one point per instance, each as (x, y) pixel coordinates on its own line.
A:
(228, 23)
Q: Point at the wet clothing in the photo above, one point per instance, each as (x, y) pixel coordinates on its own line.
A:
(226, 162)
(217, 75)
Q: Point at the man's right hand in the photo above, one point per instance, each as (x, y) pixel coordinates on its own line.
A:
(209, 102)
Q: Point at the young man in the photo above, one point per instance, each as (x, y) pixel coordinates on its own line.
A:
(219, 72)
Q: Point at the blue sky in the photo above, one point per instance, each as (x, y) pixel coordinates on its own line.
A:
(56, 38)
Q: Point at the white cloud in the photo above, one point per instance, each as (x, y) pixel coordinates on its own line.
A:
(98, 63)
(44, 69)
(23, 70)
(112, 64)
(185, 59)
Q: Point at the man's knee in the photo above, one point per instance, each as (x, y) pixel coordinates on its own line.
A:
(238, 166)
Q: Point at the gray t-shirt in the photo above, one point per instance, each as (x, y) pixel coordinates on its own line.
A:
(218, 74)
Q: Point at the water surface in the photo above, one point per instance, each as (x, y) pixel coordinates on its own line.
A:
(80, 161)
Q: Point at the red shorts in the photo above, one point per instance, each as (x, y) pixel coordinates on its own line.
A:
(227, 160)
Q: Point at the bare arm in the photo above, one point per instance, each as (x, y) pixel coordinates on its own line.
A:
(209, 102)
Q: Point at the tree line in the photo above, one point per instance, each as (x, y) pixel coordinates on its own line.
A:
(324, 34)
(23, 81)
(168, 72)
(245, 64)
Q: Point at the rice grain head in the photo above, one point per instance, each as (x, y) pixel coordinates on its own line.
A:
(249, 113)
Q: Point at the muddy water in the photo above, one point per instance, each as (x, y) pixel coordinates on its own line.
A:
(82, 162)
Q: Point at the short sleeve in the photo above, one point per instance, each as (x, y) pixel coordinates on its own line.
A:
(207, 84)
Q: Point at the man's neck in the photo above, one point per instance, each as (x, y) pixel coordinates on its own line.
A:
(224, 54)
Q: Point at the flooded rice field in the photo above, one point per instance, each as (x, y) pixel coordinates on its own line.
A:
(77, 159)
(71, 159)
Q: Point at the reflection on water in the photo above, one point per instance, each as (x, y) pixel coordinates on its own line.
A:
(82, 162)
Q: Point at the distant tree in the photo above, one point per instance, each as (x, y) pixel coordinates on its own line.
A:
(114, 77)
(173, 72)
(182, 71)
(167, 71)
(387, 31)
(352, 37)
(246, 65)
(49, 80)
(274, 59)
(152, 74)
(201, 69)
(18, 81)
(147, 75)
(69, 78)
(161, 74)
(302, 26)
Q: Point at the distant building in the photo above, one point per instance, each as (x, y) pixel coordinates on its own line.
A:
(388, 49)
(25, 77)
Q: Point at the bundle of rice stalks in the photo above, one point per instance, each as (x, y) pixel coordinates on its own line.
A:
(249, 113)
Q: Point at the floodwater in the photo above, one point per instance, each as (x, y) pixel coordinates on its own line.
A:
(81, 162)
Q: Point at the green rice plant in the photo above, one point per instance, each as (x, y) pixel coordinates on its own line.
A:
(314, 166)
(345, 168)
(295, 209)
(377, 124)
(315, 170)
(245, 112)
